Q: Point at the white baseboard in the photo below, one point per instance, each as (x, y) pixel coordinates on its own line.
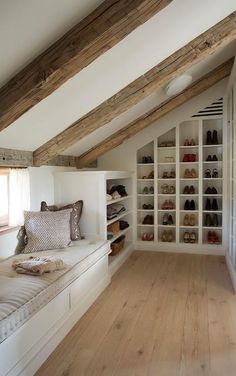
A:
(115, 262)
(231, 270)
(198, 249)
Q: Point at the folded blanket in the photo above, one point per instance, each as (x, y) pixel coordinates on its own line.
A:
(38, 265)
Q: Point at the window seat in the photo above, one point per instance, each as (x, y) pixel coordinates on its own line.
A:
(33, 306)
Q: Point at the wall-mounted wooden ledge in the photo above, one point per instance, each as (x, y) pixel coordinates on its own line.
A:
(7, 229)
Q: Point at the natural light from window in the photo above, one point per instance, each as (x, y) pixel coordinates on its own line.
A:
(4, 206)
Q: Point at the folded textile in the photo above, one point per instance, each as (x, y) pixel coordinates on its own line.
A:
(114, 209)
(38, 265)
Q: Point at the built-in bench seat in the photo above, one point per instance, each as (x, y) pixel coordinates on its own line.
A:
(36, 312)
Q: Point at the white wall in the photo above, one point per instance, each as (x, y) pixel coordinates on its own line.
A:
(123, 157)
(41, 189)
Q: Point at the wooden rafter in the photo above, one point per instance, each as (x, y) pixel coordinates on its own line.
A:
(93, 36)
(195, 51)
(155, 114)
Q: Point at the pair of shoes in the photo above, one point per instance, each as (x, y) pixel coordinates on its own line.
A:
(169, 159)
(189, 158)
(148, 207)
(211, 221)
(211, 206)
(189, 220)
(168, 205)
(189, 205)
(167, 219)
(211, 158)
(148, 191)
(190, 237)
(213, 238)
(167, 144)
(188, 174)
(147, 159)
(167, 236)
(149, 176)
(167, 189)
(211, 174)
(148, 220)
(212, 139)
(148, 236)
(211, 191)
(167, 175)
(189, 142)
(189, 190)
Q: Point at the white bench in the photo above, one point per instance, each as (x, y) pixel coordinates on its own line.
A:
(24, 351)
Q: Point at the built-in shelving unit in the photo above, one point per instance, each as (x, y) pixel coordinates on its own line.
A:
(187, 188)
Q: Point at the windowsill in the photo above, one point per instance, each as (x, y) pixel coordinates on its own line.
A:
(8, 229)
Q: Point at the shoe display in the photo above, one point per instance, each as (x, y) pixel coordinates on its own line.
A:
(192, 205)
(208, 204)
(192, 220)
(187, 205)
(186, 220)
(151, 190)
(191, 190)
(215, 138)
(209, 138)
(214, 204)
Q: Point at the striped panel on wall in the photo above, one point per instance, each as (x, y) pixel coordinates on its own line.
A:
(216, 108)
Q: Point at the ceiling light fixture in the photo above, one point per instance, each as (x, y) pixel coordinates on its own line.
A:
(178, 84)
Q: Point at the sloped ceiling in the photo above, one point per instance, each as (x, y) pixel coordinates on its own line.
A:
(38, 24)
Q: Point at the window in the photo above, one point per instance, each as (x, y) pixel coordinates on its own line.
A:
(4, 197)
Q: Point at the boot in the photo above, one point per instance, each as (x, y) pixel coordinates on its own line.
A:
(209, 139)
(214, 204)
(215, 138)
(208, 204)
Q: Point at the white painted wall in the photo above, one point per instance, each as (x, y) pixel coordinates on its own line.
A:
(123, 157)
(41, 189)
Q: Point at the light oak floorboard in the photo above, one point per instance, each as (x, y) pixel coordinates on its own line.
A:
(163, 314)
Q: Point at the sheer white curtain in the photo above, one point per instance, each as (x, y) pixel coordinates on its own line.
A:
(19, 195)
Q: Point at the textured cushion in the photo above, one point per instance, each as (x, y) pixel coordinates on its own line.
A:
(76, 212)
(47, 230)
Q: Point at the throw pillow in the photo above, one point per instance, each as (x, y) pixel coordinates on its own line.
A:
(76, 212)
(47, 230)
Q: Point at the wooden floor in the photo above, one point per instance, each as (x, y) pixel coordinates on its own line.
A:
(162, 315)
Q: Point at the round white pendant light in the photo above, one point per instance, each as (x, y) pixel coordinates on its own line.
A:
(178, 84)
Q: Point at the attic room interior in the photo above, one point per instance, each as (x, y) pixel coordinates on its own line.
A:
(118, 188)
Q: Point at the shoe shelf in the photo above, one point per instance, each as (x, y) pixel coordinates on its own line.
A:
(187, 160)
(145, 164)
(120, 233)
(124, 214)
(118, 200)
(144, 179)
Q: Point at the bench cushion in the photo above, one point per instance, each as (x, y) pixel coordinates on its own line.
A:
(21, 296)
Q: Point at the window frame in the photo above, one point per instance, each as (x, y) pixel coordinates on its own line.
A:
(4, 220)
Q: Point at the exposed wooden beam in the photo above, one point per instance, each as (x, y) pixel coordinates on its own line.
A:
(23, 158)
(155, 114)
(90, 38)
(195, 51)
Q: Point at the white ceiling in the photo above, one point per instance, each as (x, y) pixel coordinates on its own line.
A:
(35, 27)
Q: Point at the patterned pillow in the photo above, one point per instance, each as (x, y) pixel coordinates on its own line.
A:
(47, 230)
(76, 212)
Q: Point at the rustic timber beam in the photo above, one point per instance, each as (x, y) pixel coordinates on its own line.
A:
(85, 42)
(22, 158)
(155, 114)
(195, 51)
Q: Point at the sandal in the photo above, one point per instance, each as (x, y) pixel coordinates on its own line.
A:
(186, 220)
(186, 237)
(171, 189)
(151, 175)
(164, 189)
(187, 173)
(215, 173)
(192, 237)
(208, 174)
(193, 173)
